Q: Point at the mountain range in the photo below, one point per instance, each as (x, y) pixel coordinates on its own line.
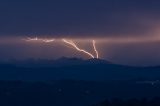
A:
(75, 69)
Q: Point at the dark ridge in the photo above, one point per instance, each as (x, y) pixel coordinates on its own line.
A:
(75, 69)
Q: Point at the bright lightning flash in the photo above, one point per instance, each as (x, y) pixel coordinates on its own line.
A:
(70, 42)
(95, 49)
(32, 39)
(40, 40)
(48, 40)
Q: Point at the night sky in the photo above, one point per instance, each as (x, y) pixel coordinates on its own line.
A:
(126, 31)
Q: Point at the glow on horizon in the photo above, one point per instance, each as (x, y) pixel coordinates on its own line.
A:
(120, 39)
(100, 40)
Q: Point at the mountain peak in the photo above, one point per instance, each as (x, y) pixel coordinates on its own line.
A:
(63, 61)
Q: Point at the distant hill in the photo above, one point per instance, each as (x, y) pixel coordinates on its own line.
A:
(76, 69)
(64, 61)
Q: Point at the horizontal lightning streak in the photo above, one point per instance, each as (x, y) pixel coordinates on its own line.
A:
(40, 39)
(48, 40)
(32, 39)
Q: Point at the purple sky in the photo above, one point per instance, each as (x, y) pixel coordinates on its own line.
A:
(126, 31)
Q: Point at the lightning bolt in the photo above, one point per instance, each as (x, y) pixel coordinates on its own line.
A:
(48, 40)
(41, 40)
(70, 42)
(95, 49)
(32, 39)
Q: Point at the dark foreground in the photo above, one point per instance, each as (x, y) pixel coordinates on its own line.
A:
(78, 93)
(91, 82)
(131, 102)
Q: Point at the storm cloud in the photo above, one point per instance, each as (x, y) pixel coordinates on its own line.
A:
(79, 18)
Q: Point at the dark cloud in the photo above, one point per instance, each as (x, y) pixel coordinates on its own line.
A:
(78, 18)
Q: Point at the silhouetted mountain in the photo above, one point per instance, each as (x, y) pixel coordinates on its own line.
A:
(76, 69)
(64, 61)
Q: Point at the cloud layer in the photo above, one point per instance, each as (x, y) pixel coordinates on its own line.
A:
(80, 18)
